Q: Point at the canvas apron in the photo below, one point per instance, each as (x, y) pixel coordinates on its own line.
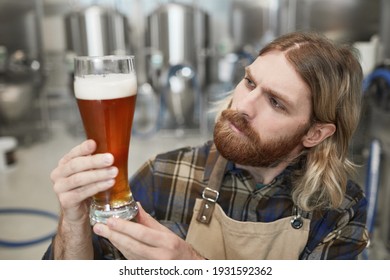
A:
(214, 235)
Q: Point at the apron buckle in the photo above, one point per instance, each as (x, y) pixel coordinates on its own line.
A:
(210, 197)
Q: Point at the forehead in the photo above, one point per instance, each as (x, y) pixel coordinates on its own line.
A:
(272, 70)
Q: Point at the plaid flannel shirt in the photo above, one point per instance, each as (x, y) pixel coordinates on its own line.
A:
(168, 185)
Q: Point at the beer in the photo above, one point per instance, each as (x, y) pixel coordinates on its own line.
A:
(106, 104)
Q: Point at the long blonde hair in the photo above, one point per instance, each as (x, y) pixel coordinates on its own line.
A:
(334, 76)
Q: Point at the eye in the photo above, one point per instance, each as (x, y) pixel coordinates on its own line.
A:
(249, 83)
(276, 104)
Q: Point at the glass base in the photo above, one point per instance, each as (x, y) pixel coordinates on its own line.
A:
(97, 214)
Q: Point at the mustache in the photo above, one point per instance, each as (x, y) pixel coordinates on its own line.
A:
(239, 120)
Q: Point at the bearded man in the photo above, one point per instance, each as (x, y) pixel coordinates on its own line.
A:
(275, 183)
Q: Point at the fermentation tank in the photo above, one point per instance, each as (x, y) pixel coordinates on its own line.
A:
(96, 31)
(23, 111)
(177, 39)
(341, 20)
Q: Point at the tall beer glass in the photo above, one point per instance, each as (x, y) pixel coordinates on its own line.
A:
(105, 89)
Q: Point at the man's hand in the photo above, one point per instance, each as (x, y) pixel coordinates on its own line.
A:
(80, 175)
(145, 239)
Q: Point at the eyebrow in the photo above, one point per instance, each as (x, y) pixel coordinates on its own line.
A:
(283, 97)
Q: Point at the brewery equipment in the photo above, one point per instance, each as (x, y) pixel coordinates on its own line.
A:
(344, 21)
(177, 41)
(96, 31)
(22, 103)
(377, 118)
(8, 146)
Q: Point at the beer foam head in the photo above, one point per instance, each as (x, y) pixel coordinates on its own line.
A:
(109, 86)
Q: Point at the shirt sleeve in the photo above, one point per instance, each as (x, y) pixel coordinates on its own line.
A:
(349, 236)
(142, 187)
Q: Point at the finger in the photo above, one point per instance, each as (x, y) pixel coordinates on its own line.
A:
(150, 236)
(76, 196)
(145, 219)
(85, 148)
(88, 177)
(81, 164)
(130, 248)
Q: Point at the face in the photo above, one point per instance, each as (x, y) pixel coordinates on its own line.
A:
(269, 114)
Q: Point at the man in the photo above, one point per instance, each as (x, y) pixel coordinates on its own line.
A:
(272, 185)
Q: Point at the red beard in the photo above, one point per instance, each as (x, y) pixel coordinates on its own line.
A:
(247, 148)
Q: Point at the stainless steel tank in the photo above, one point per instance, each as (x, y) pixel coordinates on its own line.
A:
(19, 86)
(251, 22)
(177, 39)
(97, 30)
(21, 71)
(384, 26)
(179, 32)
(341, 20)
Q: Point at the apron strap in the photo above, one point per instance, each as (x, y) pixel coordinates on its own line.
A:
(210, 194)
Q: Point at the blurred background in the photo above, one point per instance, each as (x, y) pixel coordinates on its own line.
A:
(189, 55)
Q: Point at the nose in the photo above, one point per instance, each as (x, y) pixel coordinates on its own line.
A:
(246, 103)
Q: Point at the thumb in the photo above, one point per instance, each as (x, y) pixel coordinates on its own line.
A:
(145, 219)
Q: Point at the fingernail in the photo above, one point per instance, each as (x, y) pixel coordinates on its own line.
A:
(110, 182)
(90, 145)
(108, 158)
(113, 171)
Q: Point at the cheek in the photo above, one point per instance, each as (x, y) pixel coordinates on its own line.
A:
(265, 129)
(269, 127)
(270, 130)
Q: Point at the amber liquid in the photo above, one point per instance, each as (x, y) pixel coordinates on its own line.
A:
(109, 123)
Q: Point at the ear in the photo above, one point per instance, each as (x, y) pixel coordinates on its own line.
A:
(318, 133)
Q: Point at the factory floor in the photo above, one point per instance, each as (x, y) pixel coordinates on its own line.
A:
(29, 207)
